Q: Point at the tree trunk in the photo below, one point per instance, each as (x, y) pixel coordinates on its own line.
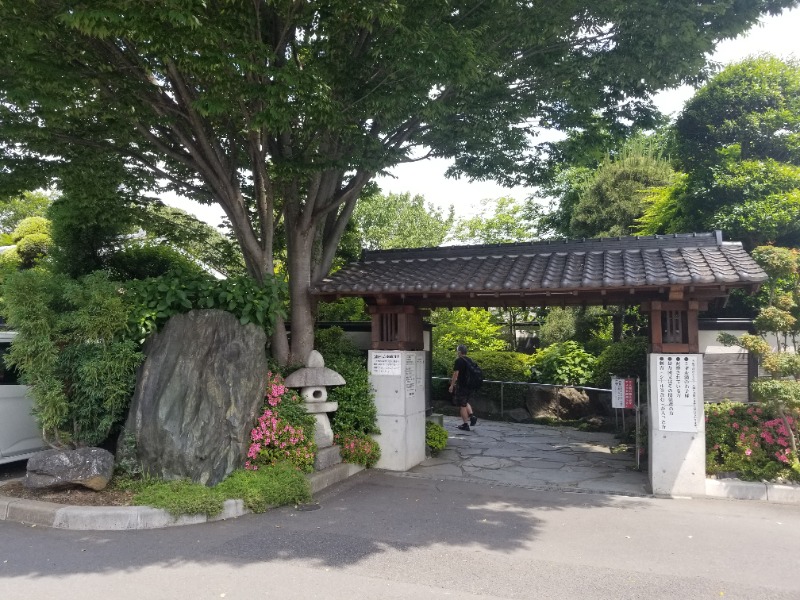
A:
(299, 250)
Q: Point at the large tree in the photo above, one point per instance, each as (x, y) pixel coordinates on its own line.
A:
(738, 143)
(282, 111)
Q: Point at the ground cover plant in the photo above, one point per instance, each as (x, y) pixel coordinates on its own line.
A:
(272, 485)
(750, 441)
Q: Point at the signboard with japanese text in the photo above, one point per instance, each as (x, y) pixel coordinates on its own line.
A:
(676, 387)
(385, 363)
(410, 377)
(622, 392)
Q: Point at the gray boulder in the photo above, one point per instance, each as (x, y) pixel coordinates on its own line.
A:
(197, 393)
(89, 467)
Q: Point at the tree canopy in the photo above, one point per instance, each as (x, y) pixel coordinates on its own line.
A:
(390, 221)
(281, 112)
(738, 143)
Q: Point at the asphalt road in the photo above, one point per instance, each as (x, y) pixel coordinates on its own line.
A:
(382, 535)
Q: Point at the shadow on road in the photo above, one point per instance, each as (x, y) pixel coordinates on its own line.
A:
(371, 514)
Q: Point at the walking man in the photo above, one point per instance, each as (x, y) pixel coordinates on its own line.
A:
(460, 390)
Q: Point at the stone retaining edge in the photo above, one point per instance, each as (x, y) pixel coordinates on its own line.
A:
(120, 518)
(734, 489)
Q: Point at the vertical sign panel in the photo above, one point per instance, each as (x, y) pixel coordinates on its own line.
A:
(617, 392)
(676, 387)
(629, 393)
(622, 392)
(410, 376)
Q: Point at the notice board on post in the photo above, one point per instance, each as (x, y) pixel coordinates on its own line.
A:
(676, 388)
(622, 392)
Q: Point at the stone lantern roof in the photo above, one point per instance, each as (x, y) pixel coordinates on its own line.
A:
(314, 374)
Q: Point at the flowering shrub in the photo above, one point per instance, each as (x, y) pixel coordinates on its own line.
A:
(280, 431)
(750, 441)
(358, 448)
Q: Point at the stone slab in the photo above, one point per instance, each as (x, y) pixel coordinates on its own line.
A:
(785, 494)
(327, 457)
(32, 512)
(321, 407)
(319, 480)
(737, 490)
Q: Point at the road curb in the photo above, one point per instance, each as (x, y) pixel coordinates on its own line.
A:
(734, 489)
(121, 518)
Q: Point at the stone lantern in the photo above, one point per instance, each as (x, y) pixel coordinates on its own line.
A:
(313, 380)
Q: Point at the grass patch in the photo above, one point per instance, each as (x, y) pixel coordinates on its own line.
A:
(268, 486)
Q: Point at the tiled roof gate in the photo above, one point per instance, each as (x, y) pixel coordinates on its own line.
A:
(671, 276)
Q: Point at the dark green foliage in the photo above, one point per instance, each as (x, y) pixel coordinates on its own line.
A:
(70, 348)
(736, 140)
(343, 310)
(563, 364)
(156, 299)
(502, 366)
(94, 210)
(196, 239)
(357, 413)
(150, 260)
(612, 199)
(435, 436)
(626, 358)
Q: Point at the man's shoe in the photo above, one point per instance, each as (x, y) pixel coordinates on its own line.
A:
(463, 427)
(472, 420)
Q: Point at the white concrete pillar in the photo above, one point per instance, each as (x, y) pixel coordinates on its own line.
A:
(398, 377)
(676, 425)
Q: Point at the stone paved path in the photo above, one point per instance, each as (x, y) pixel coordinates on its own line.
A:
(536, 457)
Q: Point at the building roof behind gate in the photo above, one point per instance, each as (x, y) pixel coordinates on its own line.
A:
(626, 270)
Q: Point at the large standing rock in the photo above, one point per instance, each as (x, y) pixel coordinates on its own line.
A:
(196, 396)
(89, 467)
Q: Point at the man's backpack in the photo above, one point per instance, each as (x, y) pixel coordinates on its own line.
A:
(474, 375)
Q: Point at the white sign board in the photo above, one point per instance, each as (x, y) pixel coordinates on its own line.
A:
(622, 392)
(677, 388)
(385, 363)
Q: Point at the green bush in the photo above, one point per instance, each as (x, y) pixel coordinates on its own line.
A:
(71, 350)
(157, 299)
(435, 436)
(749, 441)
(627, 358)
(565, 363)
(358, 448)
(357, 413)
(33, 247)
(502, 366)
(31, 226)
(150, 260)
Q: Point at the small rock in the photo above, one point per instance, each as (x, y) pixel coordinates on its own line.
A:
(89, 467)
